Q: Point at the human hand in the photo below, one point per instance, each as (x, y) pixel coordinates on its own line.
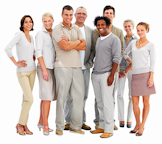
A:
(150, 83)
(45, 75)
(64, 38)
(21, 63)
(110, 80)
(123, 75)
(120, 75)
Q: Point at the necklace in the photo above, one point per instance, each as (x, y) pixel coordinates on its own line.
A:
(141, 42)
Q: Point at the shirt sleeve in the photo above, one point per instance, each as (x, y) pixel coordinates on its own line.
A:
(116, 50)
(128, 50)
(12, 43)
(39, 45)
(152, 58)
(57, 33)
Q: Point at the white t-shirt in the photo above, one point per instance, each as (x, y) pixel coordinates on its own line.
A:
(82, 52)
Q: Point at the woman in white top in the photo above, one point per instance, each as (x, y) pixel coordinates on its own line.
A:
(128, 27)
(26, 68)
(142, 63)
(45, 53)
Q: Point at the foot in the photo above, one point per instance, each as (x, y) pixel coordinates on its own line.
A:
(121, 124)
(115, 127)
(76, 131)
(20, 129)
(106, 135)
(135, 129)
(46, 130)
(96, 126)
(67, 127)
(59, 132)
(140, 131)
(97, 131)
(129, 124)
(27, 130)
(86, 127)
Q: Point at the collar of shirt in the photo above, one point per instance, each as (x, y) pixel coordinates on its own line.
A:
(72, 25)
(104, 37)
(132, 37)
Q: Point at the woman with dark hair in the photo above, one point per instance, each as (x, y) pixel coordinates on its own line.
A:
(142, 63)
(26, 68)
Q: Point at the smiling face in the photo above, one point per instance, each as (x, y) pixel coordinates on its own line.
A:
(128, 27)
(110, 14)
(81, 15)
(141, 31)
(67, 16)
(102, 27)
(47, 22)
(28, 24)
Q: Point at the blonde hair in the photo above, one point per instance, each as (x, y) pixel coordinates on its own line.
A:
(129, 20)
(48, 14)
(146, 25)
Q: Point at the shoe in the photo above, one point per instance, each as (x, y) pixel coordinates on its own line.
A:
(132, 132)
(27, 130)
(85, 127)
(138, 134)
(97, 131)
(106, 135)
(76, 131)
(121, 124)
(42, 127)
(59, 132)
(67, 127)
(129, 126)
(96, 126)
(115, 127)
(46, 133)
(18, 131)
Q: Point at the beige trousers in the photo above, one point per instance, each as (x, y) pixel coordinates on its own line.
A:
(26, 81)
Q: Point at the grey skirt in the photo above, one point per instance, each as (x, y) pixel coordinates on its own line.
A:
(47, 89)
(139, 85)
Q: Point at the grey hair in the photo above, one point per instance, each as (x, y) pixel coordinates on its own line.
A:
(129, 20)
(81, 7)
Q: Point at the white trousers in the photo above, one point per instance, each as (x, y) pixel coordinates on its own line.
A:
(105, 101)
(120, 98)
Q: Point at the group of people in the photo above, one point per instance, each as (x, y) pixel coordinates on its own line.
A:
(65, 55)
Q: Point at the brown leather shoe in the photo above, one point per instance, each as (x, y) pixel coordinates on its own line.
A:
(85, 127)
(97, 131)
(115, 127)
(59, 132)
(106, 135)
(67, 127)
(76, 131)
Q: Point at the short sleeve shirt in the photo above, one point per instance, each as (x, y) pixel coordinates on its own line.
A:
(67, 58)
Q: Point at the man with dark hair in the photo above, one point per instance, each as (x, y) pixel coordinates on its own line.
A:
(87, 62)
(109, 12)
(68, 40)
(108, 51)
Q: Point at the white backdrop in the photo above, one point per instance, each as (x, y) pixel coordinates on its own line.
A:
(11, 12)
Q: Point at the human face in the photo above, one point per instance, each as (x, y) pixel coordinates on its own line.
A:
(110, 14)
(80, 15)
(128, 27)
(67, 16)
(141, 31)
(47, 22)
(102, 27)
(28, 24)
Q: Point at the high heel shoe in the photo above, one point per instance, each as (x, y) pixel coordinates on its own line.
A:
(46, 133)
(20, 133)
(42, 127)
(132, 132)
(138, 134)
(27, 130)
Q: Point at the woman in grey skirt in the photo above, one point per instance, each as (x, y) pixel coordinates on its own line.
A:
(142, 64)
(46, 56)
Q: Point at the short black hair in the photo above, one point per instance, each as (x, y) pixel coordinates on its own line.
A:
(109, 7)
(23, 20)
(67, 7)
(107, 20)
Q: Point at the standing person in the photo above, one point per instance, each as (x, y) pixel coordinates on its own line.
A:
(128, 27)
(109, 12)
(108, 51)
(68, 40)
(26, 69)
(142, 63)
(45, 53)
(87, 62)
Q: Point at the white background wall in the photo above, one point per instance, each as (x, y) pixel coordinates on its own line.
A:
(11, 12)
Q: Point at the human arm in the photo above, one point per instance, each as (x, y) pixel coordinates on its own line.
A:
(95, 36)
